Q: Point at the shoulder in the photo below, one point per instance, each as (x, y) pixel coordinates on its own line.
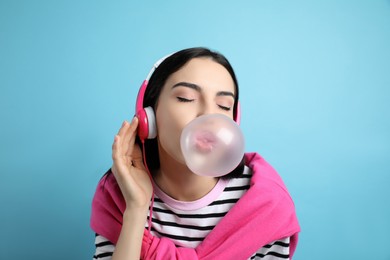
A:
(264, 173)
(108, 206)
(269, 195)
(108, 192)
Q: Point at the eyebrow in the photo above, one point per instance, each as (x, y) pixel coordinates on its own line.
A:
(198, 88)
(188, 85)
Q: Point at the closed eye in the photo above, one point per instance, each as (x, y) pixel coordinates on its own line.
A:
(181, 99)
(225, 108)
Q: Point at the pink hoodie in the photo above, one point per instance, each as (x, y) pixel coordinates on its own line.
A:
(265, 213)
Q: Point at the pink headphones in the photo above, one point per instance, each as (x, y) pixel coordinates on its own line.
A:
(147, 128)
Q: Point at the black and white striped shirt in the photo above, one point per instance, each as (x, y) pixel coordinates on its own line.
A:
(188, 223)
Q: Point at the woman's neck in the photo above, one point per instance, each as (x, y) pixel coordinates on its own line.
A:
(176, 180)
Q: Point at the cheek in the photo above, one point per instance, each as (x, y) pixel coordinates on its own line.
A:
(169, 127)
(167, 123)
(171, 119)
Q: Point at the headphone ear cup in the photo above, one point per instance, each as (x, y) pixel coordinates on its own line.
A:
(237, 118)
(152, 126)
(146, 123)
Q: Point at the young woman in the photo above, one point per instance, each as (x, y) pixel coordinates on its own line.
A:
(150, 205)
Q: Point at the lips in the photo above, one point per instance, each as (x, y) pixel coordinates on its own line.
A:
(205, 142)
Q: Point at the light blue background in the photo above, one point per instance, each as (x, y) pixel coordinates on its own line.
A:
(314, 78)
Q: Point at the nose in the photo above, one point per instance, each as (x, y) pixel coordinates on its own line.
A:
(206, 108)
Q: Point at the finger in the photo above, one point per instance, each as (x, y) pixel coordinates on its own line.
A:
(132, 137)
(124, 127)
(125, 133)
(118, 139)
(129, 138)
(116, 149)
(119, 161)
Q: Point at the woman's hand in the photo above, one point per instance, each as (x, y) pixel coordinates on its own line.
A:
(128, 167)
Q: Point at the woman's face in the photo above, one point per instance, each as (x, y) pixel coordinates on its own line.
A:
(202, 86)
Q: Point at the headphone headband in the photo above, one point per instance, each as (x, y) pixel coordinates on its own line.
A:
(155, 66)
(141, 93)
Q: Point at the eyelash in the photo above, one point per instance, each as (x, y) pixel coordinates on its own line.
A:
(185, 100)
(224, 108)
(181, 99)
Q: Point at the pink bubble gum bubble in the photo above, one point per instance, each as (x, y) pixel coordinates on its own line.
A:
(212, 145)
(204, 142)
